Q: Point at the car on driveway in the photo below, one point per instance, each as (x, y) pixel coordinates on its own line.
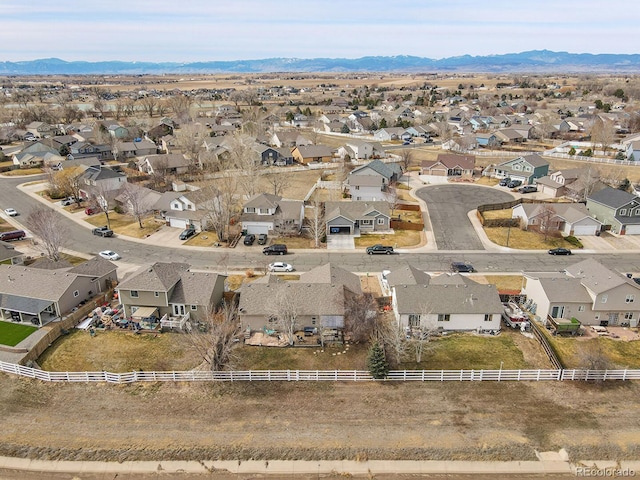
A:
(462, 267)
(11, 212)
(187, 233)
(504, 182)
(528, 189)
(68, 201)
(262, 239)
(109, 255)
(90, 210)
(380, 250)
(280, 267)
(559, 251)
(249, 239)
(514, 183)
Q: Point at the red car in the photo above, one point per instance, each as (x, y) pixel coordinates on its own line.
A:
(90, 210)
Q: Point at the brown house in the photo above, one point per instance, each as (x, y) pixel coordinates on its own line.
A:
(312, 153)
(450, 165)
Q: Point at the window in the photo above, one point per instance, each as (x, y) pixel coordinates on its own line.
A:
(365, 222)
(623, 211)
(76, 293)
(628, 316)
(156, 294)
(487, 317)
(250, 210)
(194, 307)
(414, 320)
(604, 298)
(637, 211)
(264, 211)
(629, 298)
(444, 317)
(581, 308)
(134, 294)
(357, 187)
(380, 221)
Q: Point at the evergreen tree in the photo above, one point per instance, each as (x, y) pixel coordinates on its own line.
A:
(383, 123)
(345, 129)
(377, 362)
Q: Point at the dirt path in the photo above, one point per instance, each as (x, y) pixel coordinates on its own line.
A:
(456, 421)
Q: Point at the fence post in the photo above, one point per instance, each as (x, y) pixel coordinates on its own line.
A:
(624, 374)
(538, 377)
(499, 374)
(317, 375)
(460, 375)
(442, 375)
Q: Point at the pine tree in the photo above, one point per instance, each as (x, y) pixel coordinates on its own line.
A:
(377, 362)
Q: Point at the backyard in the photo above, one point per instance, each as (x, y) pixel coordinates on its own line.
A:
(12, 334)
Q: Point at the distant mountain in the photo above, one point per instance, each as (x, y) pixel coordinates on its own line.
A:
(535, 61)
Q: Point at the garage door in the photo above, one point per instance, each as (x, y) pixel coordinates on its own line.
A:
(257, 229)
(177, 223)
(632, 230)
(335, 230)
(584, 230)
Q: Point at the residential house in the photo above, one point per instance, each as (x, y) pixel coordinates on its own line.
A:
(446, 303)
(289, 138)
(41, 129)
(619, 211)
(510, 135)
(371, 181)
(588, 291)
(86, 149)
(318, 298)
(100, 180)
(570, 183)
(115, 130)
(633, 151)
(124, 150)
(272, 156)
(167, 164)
(9, 255)
(312, 153)
(267, 213)
(361, 150)
(144, 198)
(390, 133)
(39, 296)
(487, 140)
(186, 209)
(568, 218)
(450, 165)
(170, 289)
(527, 168)
(356, 217)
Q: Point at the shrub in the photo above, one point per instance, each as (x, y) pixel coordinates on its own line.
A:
(377, 362)
(574, 241)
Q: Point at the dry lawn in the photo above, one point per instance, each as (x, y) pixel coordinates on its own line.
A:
(23, 171)
(401, 238)
(126, 224)
(299, 183)
(524, 240)
(203, 239)
(502, 282)
(295, 242)
(489, 181)
(119, 351)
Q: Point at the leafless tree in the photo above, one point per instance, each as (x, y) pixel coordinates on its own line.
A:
(134, 196)
(181, 106)
(149, 105)
(222, 207)
(361, 317)
(216, 336)
(546, 216)
(190, 138)
(589, 179)
(603, 133)
(392, 197)
(393, 338)
(159, 175)
(406, 155)
(45, 224)
(101, 199)
(282, 306)
(279, 181)
(244, 157)
(316, 224)
(421, 335)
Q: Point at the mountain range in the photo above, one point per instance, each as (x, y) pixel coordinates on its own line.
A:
(535, 61)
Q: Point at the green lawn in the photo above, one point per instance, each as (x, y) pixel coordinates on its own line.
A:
(13, 333)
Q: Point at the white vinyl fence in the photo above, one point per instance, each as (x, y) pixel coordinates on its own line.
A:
(320, 375)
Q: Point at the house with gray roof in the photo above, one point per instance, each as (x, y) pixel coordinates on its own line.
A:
(9, 255)
(361, 150)
(567, 218)
(98, 180)
(619, 211)
(370, 182)
(39, 296)
(167, 163)
(356, 217)
(170, 289)
(527, 168)
(446, 303)
(267, 213)
(588, 291)
(330, 273)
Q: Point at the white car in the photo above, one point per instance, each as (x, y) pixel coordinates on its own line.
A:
(11, 212)
(280, 267)
(109, 255)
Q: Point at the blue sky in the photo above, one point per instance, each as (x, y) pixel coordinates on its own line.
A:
(208, 30)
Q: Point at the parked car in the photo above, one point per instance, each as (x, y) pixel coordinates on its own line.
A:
(262, 239)
(280, 267)
(11, 212)
(249, 239)
(275, 249)
(90, 210)
(187, 233)
(68, 201)
(103, 231)
(462, 267)
(379, 249)
(559, 251)
(514, 183)
(504, 182)
(12, 235)
(528, 189)
(109, 255)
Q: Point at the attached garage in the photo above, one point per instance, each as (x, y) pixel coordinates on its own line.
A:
(178, 223)
(632, 230)
(584, 230)
(257, 228)
(340, 229)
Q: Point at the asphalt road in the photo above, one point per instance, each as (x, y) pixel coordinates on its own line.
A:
(80, 239)
(448, 208)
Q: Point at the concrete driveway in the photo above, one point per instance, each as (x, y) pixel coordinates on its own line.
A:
(448, 206)
(341, 242)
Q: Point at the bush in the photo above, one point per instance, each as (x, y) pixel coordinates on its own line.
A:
(377, 362)
(574, 241)
(119, 210)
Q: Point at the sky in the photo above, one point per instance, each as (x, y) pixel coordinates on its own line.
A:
(218, 30)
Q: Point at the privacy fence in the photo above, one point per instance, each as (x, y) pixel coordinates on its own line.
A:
(321, 375)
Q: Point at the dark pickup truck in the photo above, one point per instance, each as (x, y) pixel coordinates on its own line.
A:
(380, 249)
(103, 231)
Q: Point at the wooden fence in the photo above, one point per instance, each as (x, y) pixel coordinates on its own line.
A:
(400, 225)
(321, 375)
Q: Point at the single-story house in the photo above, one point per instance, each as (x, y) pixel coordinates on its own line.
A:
(357, 217)
(568, 218)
